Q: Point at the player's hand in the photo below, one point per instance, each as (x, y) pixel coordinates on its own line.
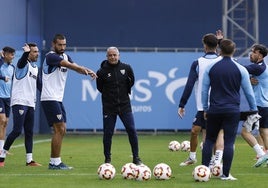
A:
(219, 34)
(181, 112)
(7, 79)
(26, 48)
(254, 81)
(90, 73)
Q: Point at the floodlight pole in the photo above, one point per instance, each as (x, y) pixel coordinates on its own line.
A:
(240, 23)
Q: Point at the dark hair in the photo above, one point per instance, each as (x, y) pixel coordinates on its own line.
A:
(210, 40)
(227, 47)
(58, 37)
(261, 48)
(32, 44)
(8, 49)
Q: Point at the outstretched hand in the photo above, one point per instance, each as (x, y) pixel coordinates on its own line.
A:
(91, 73)
(26, 48)
(219, 34)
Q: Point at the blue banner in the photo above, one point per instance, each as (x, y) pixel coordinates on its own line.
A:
(160, 80)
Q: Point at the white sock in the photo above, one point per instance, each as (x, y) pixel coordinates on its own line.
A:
(29, 157)
(258, 150)
(218, 156)
(2, 142)
(55, 161)
(3, 153)
(192, 155)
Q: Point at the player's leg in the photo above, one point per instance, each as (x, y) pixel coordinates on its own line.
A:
(212, 130)
(197, 126)
(252, 141)
(108, 131)
(263, 111)
(4, 114)
(128, 121)
(230, 124)
(28, 134)
(219, 146)
(18, 120)
(56, 117)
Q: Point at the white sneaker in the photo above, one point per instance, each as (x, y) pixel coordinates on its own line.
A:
(261, 160)
(188, 162)
(230, 177)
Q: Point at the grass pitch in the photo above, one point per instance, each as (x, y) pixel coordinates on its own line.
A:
(85, 154)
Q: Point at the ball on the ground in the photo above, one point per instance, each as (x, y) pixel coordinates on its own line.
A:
(216, 170)
(106, 171)
(174, 145)
(185, 145)
(162, 171)
(142, 173)
(201, 173)
(127, 171)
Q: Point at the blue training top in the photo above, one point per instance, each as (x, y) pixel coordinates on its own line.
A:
(224, 78)
(6, 70)
(260, 72)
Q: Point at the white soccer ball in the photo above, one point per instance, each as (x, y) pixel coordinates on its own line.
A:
(201, 173)
(127, 171)
(162, 171)
(185, 145)
(174, 145)
(106, 171)
(142, 173)
(216, 170)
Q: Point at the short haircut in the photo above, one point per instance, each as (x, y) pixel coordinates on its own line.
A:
(261, 48)
(227, 47)
(210, 40)
(58, 37)
(8, 49)
(32, 44)
(113, 48)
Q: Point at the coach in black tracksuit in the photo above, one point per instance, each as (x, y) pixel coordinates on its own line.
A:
(114, 82)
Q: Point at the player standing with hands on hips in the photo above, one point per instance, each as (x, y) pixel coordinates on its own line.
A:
(55, 69)
(114, 82)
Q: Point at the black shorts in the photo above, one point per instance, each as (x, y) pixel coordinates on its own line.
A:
(54, 112)
(5, 106)
(199, 120)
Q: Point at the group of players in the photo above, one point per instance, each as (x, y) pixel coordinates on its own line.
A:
(218, 72)
(18, 89)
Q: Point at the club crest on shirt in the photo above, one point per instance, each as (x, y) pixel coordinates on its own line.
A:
(59, 116)
(21, 112)
(1, 109)
(123, 71)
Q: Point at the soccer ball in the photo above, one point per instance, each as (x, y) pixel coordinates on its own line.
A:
(142, 173)
(185, 145)
(127, 171)
(216, 170)
(162, 171)
(106, 171)
(174, 145)
(201, 173)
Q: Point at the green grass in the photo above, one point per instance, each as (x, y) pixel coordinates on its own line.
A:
(85, 154)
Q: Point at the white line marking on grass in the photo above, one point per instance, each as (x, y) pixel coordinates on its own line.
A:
(53, 174)
(35, 142)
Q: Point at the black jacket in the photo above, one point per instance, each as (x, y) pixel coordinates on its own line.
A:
(114, 82)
